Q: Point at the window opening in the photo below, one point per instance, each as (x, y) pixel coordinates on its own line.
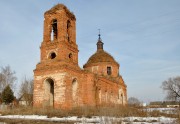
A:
(68, 30)
(68, 39)
(109, 70)
(75, 92)
(52, 35)
(52, 55)
(70, 55)
(54, 30)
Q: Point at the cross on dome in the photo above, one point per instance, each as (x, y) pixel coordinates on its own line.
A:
(99, 43)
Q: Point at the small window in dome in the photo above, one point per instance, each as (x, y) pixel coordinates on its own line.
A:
(109, 70)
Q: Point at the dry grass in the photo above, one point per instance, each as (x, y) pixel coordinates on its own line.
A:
(21, 121)
(78, 111)
(178, 120)
(118, 111)
(88, 112)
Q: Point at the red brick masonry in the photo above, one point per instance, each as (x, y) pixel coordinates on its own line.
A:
(59, 82)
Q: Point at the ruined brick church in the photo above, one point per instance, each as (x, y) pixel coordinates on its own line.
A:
(59, 82)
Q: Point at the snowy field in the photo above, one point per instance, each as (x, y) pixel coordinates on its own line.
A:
(96, 119)
(163, 110)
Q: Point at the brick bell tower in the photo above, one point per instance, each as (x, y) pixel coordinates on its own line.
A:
(59, 39)
(59, 51)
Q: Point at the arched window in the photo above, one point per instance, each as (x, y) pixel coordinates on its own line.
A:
(74, 91)
(54, 30)
(68, 30)
(70, 56)
(49, 92)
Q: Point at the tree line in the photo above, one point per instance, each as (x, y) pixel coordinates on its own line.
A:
(8, 86)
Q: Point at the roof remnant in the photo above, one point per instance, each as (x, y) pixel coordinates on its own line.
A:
(58, 7)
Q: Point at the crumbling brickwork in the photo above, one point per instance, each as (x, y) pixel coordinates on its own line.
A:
(59, 82)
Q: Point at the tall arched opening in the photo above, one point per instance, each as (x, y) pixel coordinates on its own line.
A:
(49, 92)
(74, 91)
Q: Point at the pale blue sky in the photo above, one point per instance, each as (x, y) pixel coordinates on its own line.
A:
(142, 35)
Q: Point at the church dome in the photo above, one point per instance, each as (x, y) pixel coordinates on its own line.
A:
(100, 56)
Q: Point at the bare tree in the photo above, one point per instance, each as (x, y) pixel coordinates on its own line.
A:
(132, 101)
(172, 88)
(26, 86)
(7, 77)
(26, 90)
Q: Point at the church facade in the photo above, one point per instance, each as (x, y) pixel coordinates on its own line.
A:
(59, 82)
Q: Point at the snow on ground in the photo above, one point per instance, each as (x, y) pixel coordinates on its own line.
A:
(96, 119)
(164, 110)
